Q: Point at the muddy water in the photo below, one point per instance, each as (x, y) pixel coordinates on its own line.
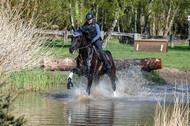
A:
(134, 103)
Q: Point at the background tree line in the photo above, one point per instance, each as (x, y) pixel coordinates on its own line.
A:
(153, 17)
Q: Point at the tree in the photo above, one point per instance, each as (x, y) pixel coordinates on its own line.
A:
(164, 13)
(115, 9)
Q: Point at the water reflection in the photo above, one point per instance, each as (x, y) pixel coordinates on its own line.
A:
(108, 112)
(63, 109)
(112, 112)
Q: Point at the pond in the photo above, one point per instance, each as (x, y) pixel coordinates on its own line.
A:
(134, 104)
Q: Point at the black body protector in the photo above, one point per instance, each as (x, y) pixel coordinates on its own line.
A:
(90, 30)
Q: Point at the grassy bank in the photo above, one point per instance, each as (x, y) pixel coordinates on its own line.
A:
(36, 80)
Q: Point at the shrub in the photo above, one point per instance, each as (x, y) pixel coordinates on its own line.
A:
(6, 106)
(21, 45)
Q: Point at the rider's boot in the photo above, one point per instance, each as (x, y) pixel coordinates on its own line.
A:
(104, 59)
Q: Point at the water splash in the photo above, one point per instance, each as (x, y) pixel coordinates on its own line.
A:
(130, 83)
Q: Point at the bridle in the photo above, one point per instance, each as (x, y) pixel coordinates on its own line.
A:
(77, 34)
(83, 47)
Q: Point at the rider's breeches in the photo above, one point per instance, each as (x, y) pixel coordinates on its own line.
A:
(98, 45)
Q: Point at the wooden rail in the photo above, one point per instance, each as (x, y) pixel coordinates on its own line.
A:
(125, 36)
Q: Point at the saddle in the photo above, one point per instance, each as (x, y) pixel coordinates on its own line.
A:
(95, 50)
(86, 68)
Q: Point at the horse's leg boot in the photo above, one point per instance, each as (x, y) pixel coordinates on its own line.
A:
(69, 84)
(104, 59)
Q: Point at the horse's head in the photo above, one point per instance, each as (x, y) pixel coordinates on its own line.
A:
(75, 40)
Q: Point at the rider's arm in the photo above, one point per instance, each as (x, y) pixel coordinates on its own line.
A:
(98, 33)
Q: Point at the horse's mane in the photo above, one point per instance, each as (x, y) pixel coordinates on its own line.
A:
(83, 39)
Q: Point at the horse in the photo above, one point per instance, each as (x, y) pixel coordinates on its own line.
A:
(96, 69)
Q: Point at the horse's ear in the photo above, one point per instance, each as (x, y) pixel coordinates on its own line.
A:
(74, 30)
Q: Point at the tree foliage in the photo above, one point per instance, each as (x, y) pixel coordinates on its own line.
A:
(154, 17)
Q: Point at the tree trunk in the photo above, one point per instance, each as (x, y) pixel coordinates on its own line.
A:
(136, 22)
(108, 34)
(97, 12)
(102, 26)
(72, 21)
(118, 28)
(170, 23)
(154, 26)
(146, 64)
(59, 64)
(66, 64)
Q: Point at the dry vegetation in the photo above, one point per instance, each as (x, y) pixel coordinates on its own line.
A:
(20, 44)
(173, 115)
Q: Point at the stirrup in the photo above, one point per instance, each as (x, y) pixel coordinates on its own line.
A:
(107, 66)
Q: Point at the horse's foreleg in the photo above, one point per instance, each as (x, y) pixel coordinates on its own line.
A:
(90, 80)
(70, 84)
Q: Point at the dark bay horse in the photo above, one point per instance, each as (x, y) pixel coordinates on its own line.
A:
(97, 67)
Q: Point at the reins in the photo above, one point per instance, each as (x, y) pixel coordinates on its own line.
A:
(85, 46)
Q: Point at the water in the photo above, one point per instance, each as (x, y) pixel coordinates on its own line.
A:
(134, 104)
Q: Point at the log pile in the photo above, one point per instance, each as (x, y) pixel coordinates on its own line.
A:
(66, 64)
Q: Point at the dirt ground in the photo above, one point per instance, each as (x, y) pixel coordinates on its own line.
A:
(174, 76)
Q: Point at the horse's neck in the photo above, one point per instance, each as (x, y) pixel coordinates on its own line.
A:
(84, 41)
(84, 51)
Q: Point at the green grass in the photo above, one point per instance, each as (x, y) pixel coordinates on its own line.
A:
(178, 57)
(40, 80)
(36, 80)
(153, 77)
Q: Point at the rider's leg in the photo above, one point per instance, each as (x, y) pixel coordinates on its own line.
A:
(98, 44)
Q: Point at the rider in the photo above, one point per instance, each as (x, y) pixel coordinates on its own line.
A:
(94, 36)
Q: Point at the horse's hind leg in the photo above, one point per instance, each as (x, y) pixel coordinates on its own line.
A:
(112, 77)
(96, 79)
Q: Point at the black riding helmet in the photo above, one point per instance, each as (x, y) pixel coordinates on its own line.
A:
(89, 16)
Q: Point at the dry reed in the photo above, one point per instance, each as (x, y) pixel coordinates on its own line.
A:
(20, 44)
(173, 115)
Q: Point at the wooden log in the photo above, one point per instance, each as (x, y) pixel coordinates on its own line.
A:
(59, 64)
(146, 64)
(66, 64)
